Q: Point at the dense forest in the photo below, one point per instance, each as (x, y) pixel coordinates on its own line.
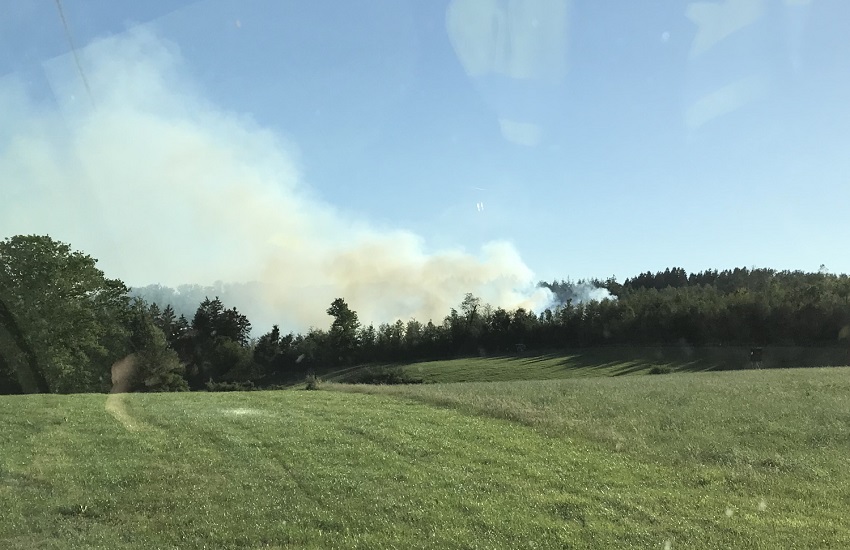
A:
(64, 325)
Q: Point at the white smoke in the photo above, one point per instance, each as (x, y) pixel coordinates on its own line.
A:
(164, 187)
(580, 292)
(589, 293)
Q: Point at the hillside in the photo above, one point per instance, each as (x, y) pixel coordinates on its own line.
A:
(600, 361)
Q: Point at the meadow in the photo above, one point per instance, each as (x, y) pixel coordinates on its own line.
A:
(749, 459)
(595, 362)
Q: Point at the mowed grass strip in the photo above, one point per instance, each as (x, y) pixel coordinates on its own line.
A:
(340, 470)
(601, 361)
(509, 368)
(780, 438)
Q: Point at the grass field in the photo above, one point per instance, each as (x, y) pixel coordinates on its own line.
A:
(605, 361)
(778, 438)
(754, 459)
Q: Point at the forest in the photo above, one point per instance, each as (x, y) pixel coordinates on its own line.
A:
(64, 325)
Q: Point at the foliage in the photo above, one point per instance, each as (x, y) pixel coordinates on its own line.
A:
(312, 382)
(25, 374)
(343, 335)
(267, 349)
(71, 314)
(212, 320)
(156, 366)
(63, 324)
(216, 346)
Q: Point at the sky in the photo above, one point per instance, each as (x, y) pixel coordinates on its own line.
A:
(401, 153)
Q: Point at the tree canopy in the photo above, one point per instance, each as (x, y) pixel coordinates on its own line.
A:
(343, 337)
(64, 324)
(72, 315)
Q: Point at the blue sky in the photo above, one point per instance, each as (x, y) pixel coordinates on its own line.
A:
(597, 138)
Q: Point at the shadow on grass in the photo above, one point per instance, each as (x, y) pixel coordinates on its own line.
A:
(601, 361)
(618, 361)
(535, 359)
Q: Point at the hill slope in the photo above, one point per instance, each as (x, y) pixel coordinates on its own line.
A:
(602, 361)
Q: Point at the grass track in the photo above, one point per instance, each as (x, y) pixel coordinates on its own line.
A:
(331, 469)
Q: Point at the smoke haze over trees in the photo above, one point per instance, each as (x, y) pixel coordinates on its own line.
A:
(64, 324)
(223, 183)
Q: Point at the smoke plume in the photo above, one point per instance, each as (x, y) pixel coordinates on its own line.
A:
(564, 292)
(162, 186)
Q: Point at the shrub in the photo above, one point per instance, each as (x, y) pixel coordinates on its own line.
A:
(660, 369)
(382, 375)
(312, 382)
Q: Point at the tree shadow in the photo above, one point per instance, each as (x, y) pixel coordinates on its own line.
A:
(625, 360)
(614, 361)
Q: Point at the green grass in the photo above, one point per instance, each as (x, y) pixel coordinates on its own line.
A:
(772, 439)
(603, 361)
(709, 460)
(550, 366)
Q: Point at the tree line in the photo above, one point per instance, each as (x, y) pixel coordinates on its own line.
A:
(63, 324)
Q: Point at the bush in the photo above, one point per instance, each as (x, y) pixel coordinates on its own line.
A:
(159, 369)
(660, 369)
(228, 359)
(382, 375)
(312, 382)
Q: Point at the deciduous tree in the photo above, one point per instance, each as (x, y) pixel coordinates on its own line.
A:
(72, 316)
